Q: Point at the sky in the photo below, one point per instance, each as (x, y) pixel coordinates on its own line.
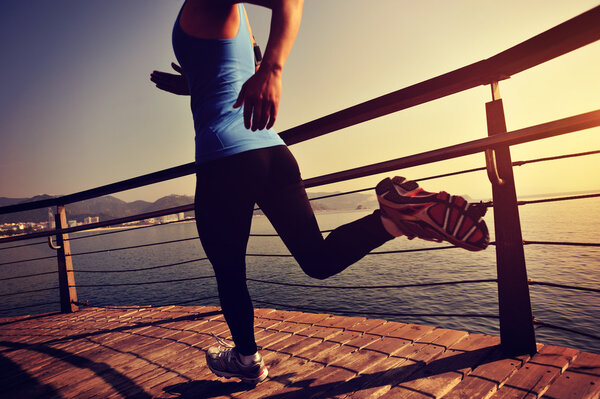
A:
(77, 109)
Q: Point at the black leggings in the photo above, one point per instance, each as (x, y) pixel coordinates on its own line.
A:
(226, 192)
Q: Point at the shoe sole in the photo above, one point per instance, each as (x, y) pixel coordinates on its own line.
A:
(450, 216)
(221, 373)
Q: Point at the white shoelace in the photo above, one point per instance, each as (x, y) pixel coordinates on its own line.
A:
(221, 341)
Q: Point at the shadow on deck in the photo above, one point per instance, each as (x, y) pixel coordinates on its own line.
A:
(159, 352)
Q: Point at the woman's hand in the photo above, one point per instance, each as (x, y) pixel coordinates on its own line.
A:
(260, 97)
(172, 83)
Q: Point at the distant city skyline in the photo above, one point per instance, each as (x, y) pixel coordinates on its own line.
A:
(78, 110)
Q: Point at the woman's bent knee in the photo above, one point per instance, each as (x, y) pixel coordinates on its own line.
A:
(316, 270)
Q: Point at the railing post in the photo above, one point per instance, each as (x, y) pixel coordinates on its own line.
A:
(66, 276)
(516, 321)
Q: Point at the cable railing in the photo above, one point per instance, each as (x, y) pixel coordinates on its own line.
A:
(516, 320)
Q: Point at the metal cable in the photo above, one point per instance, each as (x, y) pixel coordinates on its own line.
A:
(139, 283)
(29, 292)
(254, 255)
(374, 286)
(30, 306)
(580, 244)
(465, 171)
(570, 287)
(579, 154)
(342, 193)
(516, 163)
(196, 300)
(143, 268)
(27, 260)
(371, 253)
(484, 315)
(544, 324)
(87, 304)
(134, 246)
(571, 197)
(125, 230)
(24, 245)
(28, 275)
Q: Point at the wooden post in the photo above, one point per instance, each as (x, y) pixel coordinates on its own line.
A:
(516, 320)
(66, 277)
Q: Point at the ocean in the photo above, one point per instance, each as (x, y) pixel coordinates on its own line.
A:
(573, 221)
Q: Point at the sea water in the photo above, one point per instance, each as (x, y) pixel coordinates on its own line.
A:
(102, 280)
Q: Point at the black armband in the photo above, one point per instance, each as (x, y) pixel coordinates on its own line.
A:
(257, 55)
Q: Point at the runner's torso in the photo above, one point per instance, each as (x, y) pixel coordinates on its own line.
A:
(216, 69)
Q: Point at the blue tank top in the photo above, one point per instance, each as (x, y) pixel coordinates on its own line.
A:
(216, 69)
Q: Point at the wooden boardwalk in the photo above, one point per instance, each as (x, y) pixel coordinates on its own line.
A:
(159, 352)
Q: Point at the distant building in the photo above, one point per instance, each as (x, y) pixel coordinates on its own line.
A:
(72, 223)
(181, 216)
(169, 218)
(91, 219)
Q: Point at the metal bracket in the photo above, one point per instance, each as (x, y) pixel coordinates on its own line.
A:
(51, 244)
(492, 167)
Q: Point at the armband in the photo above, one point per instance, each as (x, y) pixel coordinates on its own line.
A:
(257, 55)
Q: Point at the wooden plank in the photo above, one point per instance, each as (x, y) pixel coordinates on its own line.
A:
(359, 361)
(385, 329)
(439, 376)
(304, 343)
(292, 328)
(169, 387)
(309, 318)
(329, 356)
(345, 336)
(534, 378)
(387, 345)
(340, 321)
(314, 352)
(320, 382)
(279, 346)
(264, 339)
(367, 325)
(363, 340)
(580, 380)
(406, 361)
(410, 332)
(323, 333)
(288, 371)
(382, 376)
(486, 378)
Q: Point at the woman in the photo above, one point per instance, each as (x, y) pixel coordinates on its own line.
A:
(241, 162)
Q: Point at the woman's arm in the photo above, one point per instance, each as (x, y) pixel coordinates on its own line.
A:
(260, 95)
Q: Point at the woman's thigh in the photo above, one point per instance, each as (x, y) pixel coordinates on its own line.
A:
(285, 202)
(224, 203)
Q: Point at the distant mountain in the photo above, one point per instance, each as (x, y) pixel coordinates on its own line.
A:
(344, 202)
(36, 215)
(170, 201)
(107, 207)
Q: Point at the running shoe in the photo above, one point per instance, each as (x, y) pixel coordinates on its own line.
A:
(438, 217)
(225, 362)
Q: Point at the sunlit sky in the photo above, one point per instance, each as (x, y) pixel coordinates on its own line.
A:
(77, 109)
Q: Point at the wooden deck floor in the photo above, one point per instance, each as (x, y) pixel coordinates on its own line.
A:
(159, 352)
